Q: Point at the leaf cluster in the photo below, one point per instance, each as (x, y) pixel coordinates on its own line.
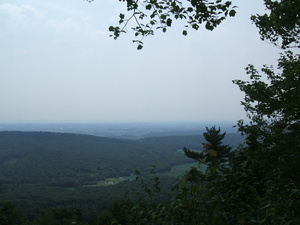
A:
(272, 106)
(281, 26)
(150, 15)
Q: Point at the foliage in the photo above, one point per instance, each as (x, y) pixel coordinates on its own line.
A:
(273, 140)
(10, 214)
(214, 152)
(150, 15)
(197, 198)
(273, 109)
(281, 26)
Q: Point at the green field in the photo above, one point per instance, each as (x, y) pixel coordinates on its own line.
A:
(175, 171)
(178, 170)
(110, 181)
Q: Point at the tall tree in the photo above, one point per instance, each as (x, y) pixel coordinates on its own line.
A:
(273, 106)
(214, 152)
(272, 154)
(272, 99)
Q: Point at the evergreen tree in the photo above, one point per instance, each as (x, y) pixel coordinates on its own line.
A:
(214, 152)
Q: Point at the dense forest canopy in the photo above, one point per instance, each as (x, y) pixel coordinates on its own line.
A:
(81, 158)
(46, 170)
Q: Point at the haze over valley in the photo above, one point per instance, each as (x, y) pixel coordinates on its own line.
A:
(123, 130)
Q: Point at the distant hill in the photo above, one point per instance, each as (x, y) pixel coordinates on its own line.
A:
(190, 141)
(42, 170)
(33, 157)
(37, 157)
(122, 130)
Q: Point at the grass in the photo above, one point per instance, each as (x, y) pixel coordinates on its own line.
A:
(110, 181)
(174, 172)
(180, 169)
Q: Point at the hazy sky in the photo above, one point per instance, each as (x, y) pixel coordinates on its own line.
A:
(58, 64)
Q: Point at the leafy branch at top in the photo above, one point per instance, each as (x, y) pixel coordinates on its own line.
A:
(150, 15)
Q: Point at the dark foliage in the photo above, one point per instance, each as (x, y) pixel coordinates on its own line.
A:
(151, 15)
(281, 26)
(214, 152)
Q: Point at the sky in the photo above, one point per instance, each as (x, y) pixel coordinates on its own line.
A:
(58, 64)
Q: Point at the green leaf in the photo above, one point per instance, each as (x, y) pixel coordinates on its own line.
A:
(232, 13)
(190, 9)
(139, 47)
(122, 16)
(208, 26)
(163, 16)
(184, 32)
(195, 26)
(148, 7)
(169, 22)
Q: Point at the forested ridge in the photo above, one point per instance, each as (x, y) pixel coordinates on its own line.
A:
(46, 170)
(46, 155)
(36, 157)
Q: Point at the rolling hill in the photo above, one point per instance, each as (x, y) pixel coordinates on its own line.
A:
(41, 170)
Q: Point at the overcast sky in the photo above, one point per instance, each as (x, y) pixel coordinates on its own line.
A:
(58, 64)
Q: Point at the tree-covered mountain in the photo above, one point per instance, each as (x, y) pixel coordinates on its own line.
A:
(37, 157)
(41, 170)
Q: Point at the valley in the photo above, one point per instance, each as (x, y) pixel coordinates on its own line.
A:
(49, 170)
